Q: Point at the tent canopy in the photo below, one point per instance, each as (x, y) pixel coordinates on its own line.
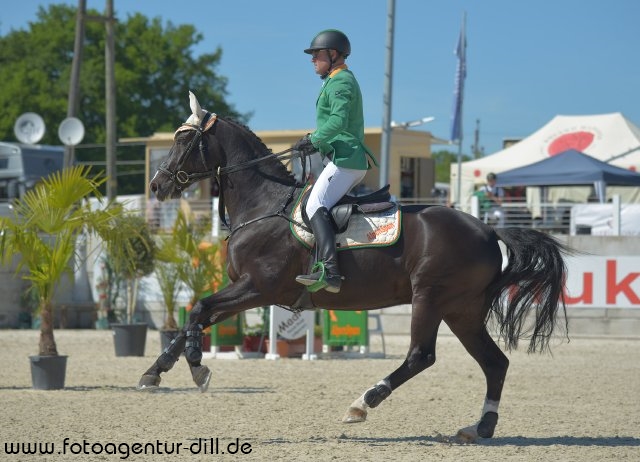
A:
(608, 137)
(570, 167)
(611, 138)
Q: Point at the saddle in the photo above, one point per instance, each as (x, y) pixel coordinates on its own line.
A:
(377, 201)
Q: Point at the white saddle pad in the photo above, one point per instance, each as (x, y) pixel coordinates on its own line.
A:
(375, 229)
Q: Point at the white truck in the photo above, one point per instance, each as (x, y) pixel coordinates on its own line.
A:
(22, 166)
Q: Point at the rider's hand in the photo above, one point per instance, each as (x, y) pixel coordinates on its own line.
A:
(304, 145)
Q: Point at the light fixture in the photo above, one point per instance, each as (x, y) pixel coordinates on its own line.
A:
(413, 123)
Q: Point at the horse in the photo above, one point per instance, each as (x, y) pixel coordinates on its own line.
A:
(446, 263)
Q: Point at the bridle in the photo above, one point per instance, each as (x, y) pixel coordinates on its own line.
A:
(182, 179)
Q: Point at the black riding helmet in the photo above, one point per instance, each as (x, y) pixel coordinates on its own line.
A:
(331, 39)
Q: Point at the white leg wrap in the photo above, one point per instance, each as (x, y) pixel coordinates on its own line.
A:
(490, 406)
(470, 433)
(360, 404)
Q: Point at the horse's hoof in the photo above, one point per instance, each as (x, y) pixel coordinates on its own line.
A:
(467, 434)
(148, 382)
(201, 376)
(354, 415)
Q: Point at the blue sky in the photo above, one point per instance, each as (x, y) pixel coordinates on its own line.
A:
(527, 60)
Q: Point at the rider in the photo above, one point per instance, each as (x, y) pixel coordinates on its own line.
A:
(339, 136)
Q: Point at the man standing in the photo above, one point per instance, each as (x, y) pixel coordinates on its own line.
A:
(495, 195)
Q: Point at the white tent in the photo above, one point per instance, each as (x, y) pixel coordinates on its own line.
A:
(607, 137)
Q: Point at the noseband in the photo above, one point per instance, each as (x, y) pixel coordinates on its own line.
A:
(181, 178)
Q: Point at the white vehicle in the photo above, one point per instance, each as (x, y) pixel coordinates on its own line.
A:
(22, 166)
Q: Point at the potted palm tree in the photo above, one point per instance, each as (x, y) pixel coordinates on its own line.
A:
(167, 272)
(130, 335)
(201, 268)
(41, 237)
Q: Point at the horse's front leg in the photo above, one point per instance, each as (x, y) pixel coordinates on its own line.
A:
(151, 378)
(193, 346)
(233, 299)
(236, 297)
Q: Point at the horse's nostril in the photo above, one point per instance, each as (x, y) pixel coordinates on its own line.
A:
(153, 187)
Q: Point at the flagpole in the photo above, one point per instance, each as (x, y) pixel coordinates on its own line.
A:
(459, 186)
(456, 123)
(385, 142)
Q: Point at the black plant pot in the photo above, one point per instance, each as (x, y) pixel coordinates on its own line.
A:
(48, 372)
(129, 339)
(165, 338)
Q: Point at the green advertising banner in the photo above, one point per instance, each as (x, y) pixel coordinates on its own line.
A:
(227, 332)
(345, 328)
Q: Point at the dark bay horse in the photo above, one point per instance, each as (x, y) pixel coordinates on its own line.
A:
(446, 263)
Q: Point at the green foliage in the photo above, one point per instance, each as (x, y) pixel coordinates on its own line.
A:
(444, 160)
(168, 273)
(43, 231)
(186, 257)
(202, 264)
(132, 257)
(155, 68)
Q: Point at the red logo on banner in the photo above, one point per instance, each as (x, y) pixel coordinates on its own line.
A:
(575, 140)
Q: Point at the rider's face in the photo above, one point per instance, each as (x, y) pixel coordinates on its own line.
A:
(321, 61)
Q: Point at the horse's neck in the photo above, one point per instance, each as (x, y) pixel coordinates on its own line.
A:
(256, 189)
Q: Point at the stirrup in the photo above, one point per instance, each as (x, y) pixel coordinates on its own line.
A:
(320, 283)
(318, 279)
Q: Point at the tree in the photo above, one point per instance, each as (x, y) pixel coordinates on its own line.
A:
(131, 267)
(444, 159)
(155, 69)
(43, 230)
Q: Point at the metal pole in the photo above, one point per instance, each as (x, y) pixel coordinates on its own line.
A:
(459, 185)
(386, 98)
(463, 63)
(74, 83)
(110, 99)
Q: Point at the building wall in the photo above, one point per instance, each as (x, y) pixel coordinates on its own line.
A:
(404, 143)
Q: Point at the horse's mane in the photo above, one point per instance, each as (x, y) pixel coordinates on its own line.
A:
(276, 163)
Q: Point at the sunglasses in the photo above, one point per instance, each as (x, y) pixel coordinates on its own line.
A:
(316, 53)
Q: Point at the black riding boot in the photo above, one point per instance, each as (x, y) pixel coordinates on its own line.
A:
(326, 254)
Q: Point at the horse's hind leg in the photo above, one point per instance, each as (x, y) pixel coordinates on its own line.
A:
(474, 337)
(422, 354)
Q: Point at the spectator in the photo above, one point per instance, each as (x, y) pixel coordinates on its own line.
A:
(494, 195)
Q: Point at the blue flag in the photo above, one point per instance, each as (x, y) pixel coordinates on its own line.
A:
(458, 91)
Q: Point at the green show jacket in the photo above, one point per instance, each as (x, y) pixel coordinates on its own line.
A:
(340, 122)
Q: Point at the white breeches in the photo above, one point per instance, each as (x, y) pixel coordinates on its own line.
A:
(333, 183)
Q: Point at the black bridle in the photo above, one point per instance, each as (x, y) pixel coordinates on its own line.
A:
(182, 179)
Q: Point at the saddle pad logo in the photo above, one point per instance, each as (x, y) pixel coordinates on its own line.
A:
(375, 229)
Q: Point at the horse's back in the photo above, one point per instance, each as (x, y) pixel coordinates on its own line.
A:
(449, 243)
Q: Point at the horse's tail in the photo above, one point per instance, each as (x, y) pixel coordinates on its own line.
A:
(534, 278)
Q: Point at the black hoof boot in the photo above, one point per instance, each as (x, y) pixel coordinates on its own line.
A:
(193, 350)
(487, 425)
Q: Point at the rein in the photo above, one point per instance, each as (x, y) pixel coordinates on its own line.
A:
(182, 179)
(282, 155)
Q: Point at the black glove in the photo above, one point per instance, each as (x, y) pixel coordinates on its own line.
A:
(304, 145)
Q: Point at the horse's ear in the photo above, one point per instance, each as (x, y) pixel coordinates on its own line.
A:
(195, 106)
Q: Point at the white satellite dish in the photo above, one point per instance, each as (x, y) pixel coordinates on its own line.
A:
(29, 128)
(71, 131)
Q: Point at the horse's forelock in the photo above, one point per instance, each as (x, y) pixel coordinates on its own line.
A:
(193, 119)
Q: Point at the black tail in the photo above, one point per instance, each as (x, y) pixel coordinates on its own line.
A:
(533, 279)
